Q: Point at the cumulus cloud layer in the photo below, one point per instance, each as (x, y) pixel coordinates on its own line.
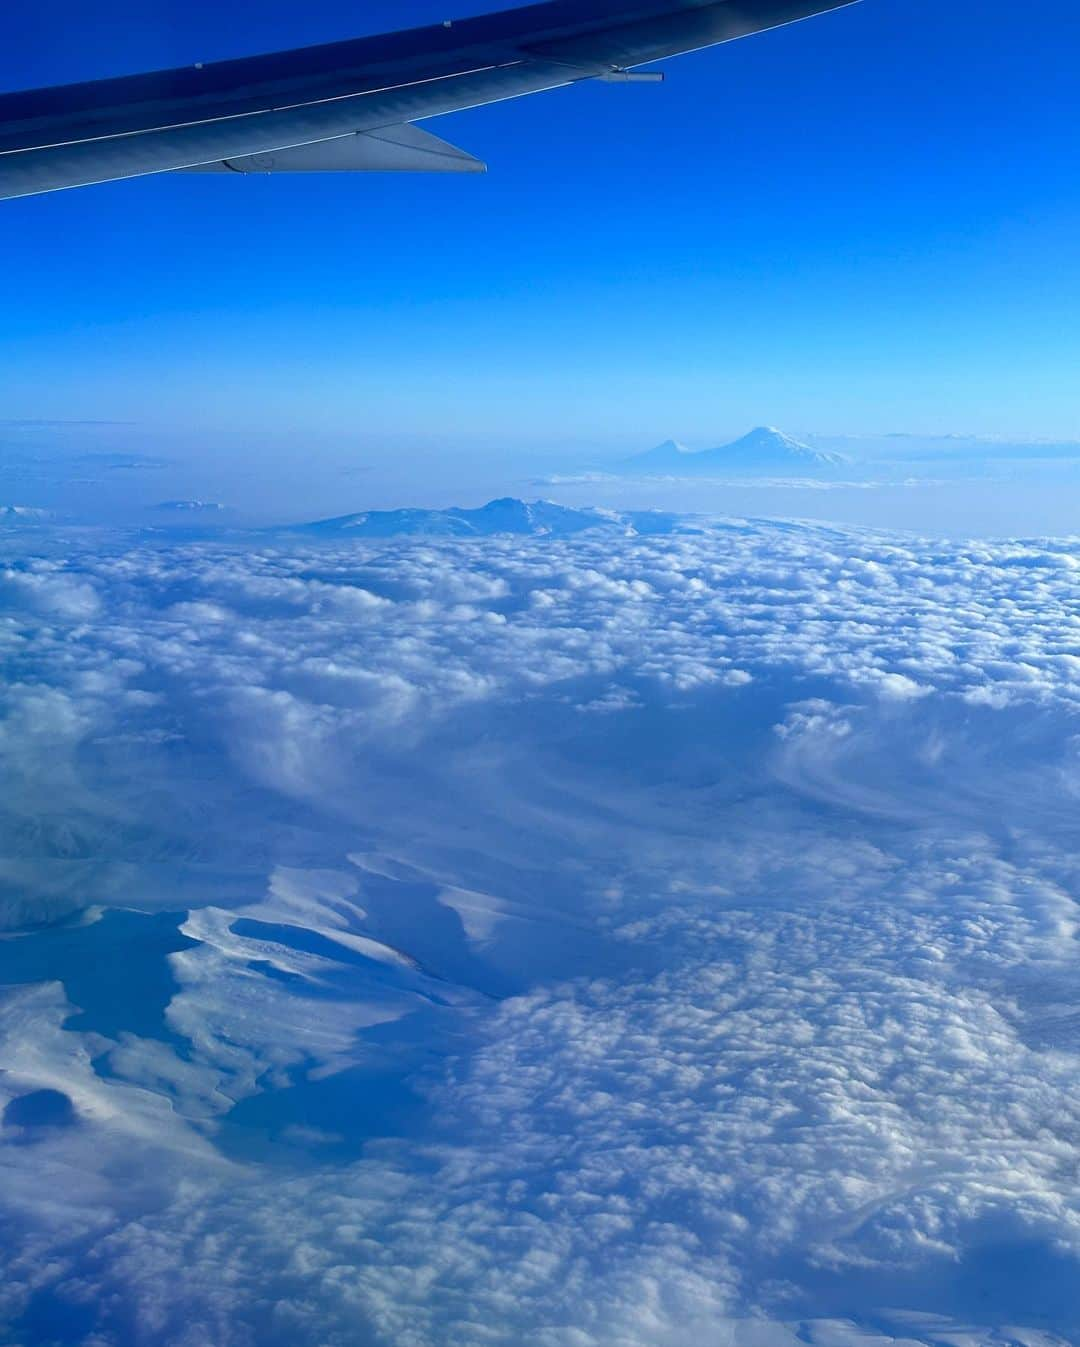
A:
(606, 941)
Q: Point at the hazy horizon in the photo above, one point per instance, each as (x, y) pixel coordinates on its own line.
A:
(122, 474)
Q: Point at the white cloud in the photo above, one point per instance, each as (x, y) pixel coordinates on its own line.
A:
(740, 1009)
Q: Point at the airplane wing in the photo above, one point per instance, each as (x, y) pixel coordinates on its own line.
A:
(349, 106)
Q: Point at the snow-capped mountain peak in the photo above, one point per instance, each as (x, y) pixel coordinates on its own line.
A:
(769, 438)
(768, 446)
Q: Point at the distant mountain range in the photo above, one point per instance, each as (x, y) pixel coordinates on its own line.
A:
(765, 450)
(539, 518)
(22, 514)
(190, 507)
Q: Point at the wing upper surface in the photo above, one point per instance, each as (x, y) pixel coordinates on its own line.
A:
(78, 134)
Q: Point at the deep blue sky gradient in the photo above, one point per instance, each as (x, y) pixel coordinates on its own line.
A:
(866, 222)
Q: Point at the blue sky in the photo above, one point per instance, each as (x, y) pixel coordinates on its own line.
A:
(867, 222)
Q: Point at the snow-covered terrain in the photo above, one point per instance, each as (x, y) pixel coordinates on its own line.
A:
(538, 518)
(591, 941)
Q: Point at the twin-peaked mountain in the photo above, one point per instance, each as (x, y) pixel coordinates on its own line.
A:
(765, 451)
